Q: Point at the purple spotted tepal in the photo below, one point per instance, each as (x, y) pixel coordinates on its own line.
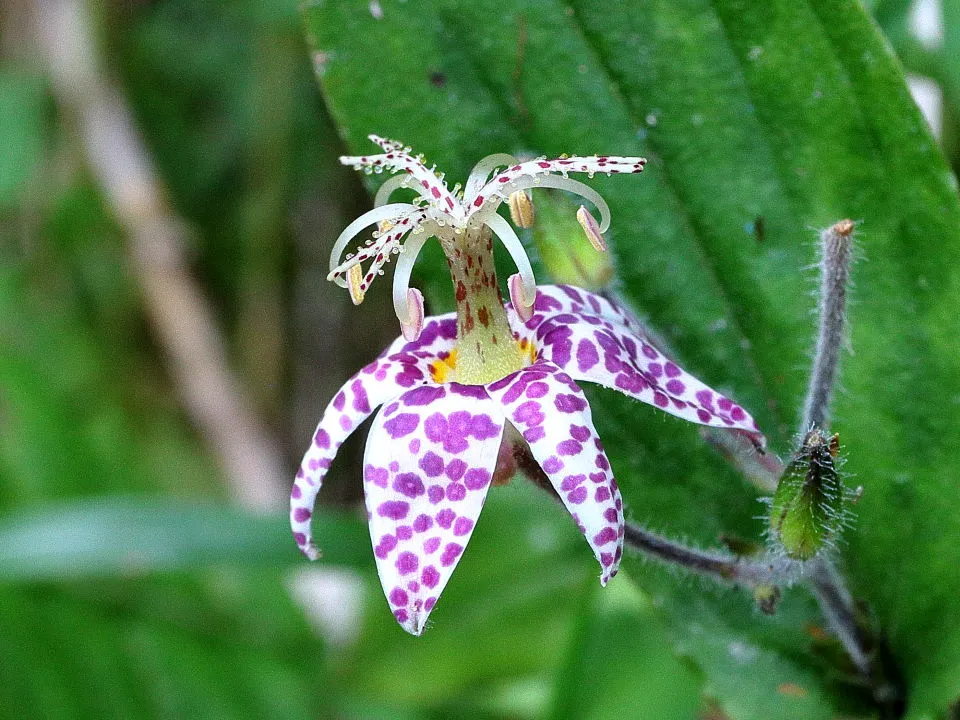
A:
(451, 387)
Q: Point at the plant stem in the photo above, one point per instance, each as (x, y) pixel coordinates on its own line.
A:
(761, 577)
(835, 256)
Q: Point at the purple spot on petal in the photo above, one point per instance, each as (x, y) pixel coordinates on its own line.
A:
(301, 514)
(474, 391)
(537, 390)
(445, 518)
(401, 615)
(431, 545)
(295, 492)
(395, 510)
(476, 479)
(435, 493)
(450, 554)
(569, 403)
(409, 484)
(360, 401)
(398, 596)
(602, 494)
(456, 468)
(462, 526)
(422, 523)
(671, 370)
(322, 439)
(402, 424)
(579, 432)
(569, 447)
(577, 496)
(430, 576)
(404, 532)
(407, 563)
(300, 538)
(423, 395)
(456, 492)
(587, 355)
(610, 515)
(431, 464)
(552, 465)
(340, 400)
(676, 387)
(531, 435)
(608, 534)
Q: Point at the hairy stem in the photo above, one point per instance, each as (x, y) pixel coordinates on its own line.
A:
(835, 255)
(763, 578)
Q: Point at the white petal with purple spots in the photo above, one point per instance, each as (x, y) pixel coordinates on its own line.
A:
(552, 414)
(404, 366)
(593, 340)
(427, 468)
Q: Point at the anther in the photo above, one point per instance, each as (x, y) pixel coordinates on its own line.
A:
(521, 209)
(591, 229)
(354, 279)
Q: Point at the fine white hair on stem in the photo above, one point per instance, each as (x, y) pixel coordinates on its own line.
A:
(481, 172)
(513, 245)
(385, 212)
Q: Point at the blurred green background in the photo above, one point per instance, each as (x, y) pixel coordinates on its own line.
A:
(146, 568)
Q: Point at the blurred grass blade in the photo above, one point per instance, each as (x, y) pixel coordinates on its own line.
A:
(107, 536)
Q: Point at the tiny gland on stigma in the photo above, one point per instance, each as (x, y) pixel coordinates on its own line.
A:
(464, 222)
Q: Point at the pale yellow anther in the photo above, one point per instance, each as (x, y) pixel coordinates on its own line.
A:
(354, 280)
(521, 209)
(591, 229)
(383, 226)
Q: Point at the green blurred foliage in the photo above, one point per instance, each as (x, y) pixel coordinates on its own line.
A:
(128, 586)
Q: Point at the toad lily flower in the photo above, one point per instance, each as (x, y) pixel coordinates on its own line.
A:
(456, 387)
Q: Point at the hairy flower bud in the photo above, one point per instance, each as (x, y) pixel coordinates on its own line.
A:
(807, 506)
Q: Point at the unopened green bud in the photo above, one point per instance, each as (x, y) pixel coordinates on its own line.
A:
(807, 507)
(559, 238)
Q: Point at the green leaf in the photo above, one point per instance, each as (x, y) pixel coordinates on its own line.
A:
(752, 142)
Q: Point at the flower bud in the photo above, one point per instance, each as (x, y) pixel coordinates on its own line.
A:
(807, 506)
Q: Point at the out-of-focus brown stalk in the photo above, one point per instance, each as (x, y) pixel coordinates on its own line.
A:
(181, 318)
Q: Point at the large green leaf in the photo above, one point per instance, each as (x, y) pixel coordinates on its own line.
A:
(761, 120)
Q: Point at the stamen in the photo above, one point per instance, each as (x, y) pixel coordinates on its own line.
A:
(354, 277)
(590, 228)
(401, 283)
(528, 291)
(569, 185)
(411, 330)
(392, 212)
(521, 209)
(481, 171)
(522, 304)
